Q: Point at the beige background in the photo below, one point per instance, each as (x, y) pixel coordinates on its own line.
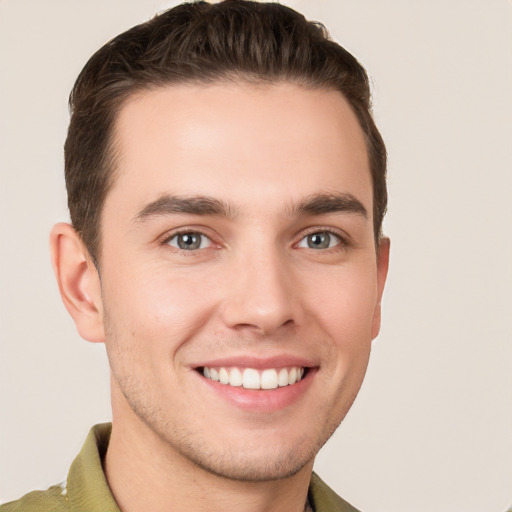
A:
(432, 427)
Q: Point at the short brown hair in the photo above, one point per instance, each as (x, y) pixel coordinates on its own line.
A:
(203, 43)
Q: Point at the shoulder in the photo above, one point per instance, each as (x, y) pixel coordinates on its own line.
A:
(324, 499)
(52, 500)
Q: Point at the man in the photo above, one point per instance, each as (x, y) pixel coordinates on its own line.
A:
(226, 185)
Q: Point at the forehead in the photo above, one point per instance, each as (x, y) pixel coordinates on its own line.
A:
(239, 142)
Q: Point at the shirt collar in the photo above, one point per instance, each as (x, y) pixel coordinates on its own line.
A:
(87, 487)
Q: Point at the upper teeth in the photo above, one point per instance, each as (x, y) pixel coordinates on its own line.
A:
(250, 378)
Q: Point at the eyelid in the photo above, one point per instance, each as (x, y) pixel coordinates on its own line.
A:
(201, 237)
(345, 239)
(199, 230)
(340, 234)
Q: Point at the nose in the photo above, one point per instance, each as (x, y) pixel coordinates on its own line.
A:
(260, 294)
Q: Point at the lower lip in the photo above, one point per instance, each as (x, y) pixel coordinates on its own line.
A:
(262, 400)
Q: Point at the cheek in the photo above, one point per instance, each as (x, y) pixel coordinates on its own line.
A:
(344, 305)
(343, 308)
(156, 309)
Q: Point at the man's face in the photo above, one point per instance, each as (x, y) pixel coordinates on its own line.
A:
(237, 242)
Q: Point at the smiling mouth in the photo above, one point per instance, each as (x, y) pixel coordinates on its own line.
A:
(250, 378)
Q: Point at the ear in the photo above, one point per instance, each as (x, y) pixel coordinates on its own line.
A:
(382, 272)
(78, 280)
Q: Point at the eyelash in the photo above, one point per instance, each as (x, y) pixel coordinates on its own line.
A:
(167, 239)
(343, 242)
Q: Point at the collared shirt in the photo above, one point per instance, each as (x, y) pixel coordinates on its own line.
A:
(87, 490)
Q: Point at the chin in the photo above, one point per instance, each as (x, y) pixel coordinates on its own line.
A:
(256, 458)
(253, 468)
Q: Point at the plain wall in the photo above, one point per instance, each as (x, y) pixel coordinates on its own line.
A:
(432, 427)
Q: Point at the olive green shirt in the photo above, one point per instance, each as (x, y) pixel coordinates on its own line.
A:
(86, 489)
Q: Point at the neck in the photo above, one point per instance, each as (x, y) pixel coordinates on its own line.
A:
(145, 473)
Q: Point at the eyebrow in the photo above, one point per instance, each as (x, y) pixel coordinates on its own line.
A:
(322, 204)
(316, 204)
(191, 205)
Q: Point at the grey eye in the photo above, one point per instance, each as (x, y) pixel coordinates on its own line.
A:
(320, 240)
(189, 241)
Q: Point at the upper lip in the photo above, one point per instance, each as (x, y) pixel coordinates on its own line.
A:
(248, 361)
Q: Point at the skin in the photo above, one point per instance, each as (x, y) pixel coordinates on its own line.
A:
(255, 290)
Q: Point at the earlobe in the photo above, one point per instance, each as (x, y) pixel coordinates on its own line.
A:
(382, 272)
(78, 281)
